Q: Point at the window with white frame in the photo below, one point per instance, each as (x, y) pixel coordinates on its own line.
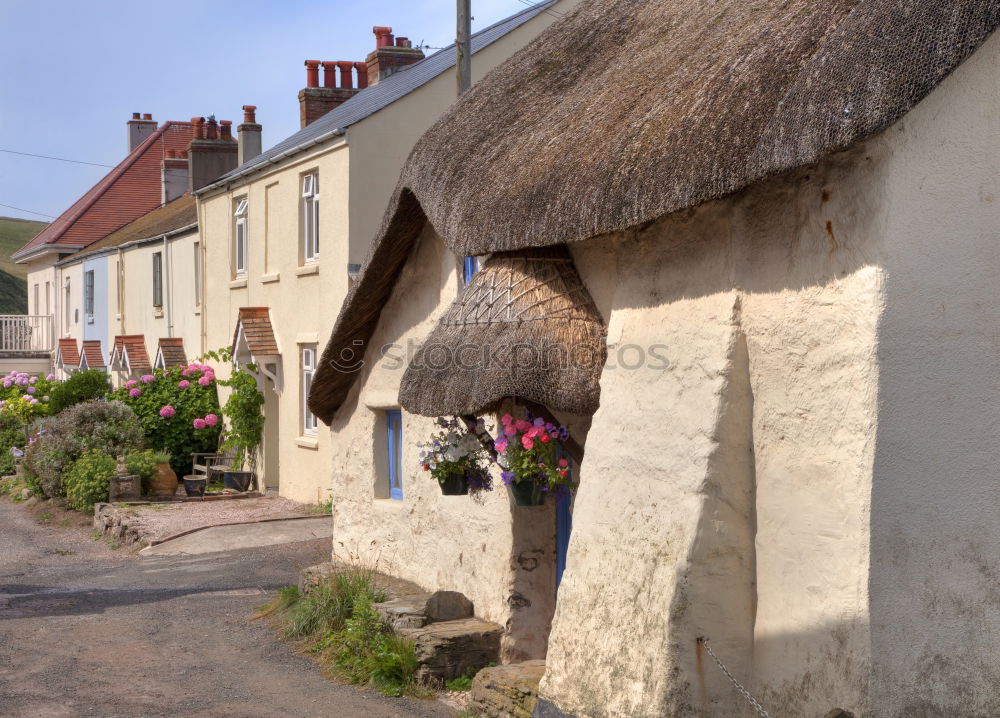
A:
(158, 279)
(308, 371)
(88, 294)
(69, 310)
(310, 217)
(36, 306)
(197, 274)
(240, 238)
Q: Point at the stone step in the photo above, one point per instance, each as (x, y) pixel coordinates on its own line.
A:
(420, 609)
(507, 691)
(451, 649)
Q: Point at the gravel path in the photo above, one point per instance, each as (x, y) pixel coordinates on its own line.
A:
(92, 633)
(158, 521)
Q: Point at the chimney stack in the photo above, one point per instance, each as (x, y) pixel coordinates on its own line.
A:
(209, 155)
(391, 54)
(139, 129)
(316, 101)
(249, 134)
(173, 175)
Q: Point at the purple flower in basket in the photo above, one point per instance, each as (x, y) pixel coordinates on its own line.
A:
(507, 477)
(563, 433)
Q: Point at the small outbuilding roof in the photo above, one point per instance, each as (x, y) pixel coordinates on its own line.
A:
(254, 326)
(170, 353)
(626, 111)
(130, 353)
(525, 326)
(93, 356)
(68, 353)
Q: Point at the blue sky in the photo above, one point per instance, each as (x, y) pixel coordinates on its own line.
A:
(72, 73)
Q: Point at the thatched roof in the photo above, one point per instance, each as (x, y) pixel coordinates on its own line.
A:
(525, 327)
(628, 110)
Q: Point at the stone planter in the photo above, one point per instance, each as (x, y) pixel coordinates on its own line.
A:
(194, 485)
(124, 488)
(163, 484)
(237, 480)
(527, 492)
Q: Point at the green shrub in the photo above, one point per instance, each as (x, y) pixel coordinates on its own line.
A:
(11, 436)
(58, 441)
(142, 464)
(174, 431)
(86, 480)
(79, 387)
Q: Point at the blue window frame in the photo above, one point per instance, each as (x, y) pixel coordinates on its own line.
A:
(394, 424)
(470, 268)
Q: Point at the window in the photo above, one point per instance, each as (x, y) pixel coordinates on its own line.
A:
(469, 269)
(310, 217)
(197, 274)
(36, 306)
(157, 279)
(240, 236)
(308, 370)
(68, 312)
(48, 301)
(394, 424)
(88, 295)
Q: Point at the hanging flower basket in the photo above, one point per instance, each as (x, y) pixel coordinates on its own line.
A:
(533, 467)
(527, 492)
(454, 485)
(456, 457)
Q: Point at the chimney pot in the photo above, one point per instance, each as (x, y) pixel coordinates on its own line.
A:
(249, 114)
(312, 73)
(383, 36)
(329, 74)
(402, 42)
(226, 129)
(147, 116)
(346, 74)
(135, 115)
(362, 68)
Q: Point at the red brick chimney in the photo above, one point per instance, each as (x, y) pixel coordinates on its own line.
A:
(391, 54)
(316, 101)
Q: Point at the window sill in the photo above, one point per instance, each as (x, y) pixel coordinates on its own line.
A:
(307, 442)
(272, 277)
(197, 312)
(240, 283)
(306, 270)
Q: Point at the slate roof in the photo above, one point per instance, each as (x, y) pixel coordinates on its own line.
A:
(256, 325)
(69, 352)
(130, 190)
(92, 354)
(171, 350)
(385, 92)
(181, 212)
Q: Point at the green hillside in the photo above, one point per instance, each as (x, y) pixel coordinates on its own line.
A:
(13, 289)
(13, 234)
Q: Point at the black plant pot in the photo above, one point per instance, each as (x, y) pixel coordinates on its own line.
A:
(195, 486)
(527, 492)
(239, 480)
(454, 485)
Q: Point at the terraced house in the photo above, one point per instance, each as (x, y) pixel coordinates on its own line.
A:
(778, 221)
(283, 234)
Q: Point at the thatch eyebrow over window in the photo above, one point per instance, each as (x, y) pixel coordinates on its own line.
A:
(526, 327)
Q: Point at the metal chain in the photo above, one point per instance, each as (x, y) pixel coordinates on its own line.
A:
(739, 686)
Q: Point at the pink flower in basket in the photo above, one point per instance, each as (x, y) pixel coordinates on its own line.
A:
(527, 442)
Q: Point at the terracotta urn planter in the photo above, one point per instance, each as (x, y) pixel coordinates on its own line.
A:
(164, 481)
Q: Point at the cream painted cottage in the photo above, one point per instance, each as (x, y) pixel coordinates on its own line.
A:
(284, 233)
(777, 225)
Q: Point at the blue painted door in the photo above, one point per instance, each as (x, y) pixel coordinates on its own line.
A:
(564, 527)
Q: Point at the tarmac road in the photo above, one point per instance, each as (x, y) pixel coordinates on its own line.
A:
(87, 631)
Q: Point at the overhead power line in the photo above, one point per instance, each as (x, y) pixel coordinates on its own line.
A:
(547, 11)
(29, 211)
(60, 159)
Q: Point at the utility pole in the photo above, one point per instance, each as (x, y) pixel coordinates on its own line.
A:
(463, 46)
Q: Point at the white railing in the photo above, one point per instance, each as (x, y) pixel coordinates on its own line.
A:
(26, 333)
